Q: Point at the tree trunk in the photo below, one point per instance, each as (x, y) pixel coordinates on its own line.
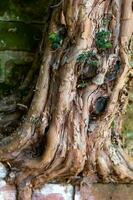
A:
(72, 130)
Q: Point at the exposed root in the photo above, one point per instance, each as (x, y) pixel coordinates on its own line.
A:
(75, 130)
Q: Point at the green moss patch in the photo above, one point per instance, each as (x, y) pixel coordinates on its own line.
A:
(19, 36)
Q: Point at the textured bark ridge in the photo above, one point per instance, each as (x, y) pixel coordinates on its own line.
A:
(73, 125)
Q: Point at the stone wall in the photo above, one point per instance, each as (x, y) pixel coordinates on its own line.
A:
(68, 192)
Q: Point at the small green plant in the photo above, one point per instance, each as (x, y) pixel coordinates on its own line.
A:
(93, 63)
(103, 40)
(82, 57)
(82, 84)
(55, 39)
(85, 56)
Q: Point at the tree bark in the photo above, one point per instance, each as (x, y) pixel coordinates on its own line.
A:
(69, 121)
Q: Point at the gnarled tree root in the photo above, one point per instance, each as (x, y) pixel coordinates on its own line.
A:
(65, 112)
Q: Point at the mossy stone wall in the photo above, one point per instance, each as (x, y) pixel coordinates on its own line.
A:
(21, 27)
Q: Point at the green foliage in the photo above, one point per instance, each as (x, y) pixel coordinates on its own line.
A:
(82, 84)
(93, 63)
(102, 40)
(89, 57)
(85, 55)
(90, 66)
(82, 57)
(55, 39)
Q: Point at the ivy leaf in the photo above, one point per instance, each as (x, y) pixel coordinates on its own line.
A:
(52, 36)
